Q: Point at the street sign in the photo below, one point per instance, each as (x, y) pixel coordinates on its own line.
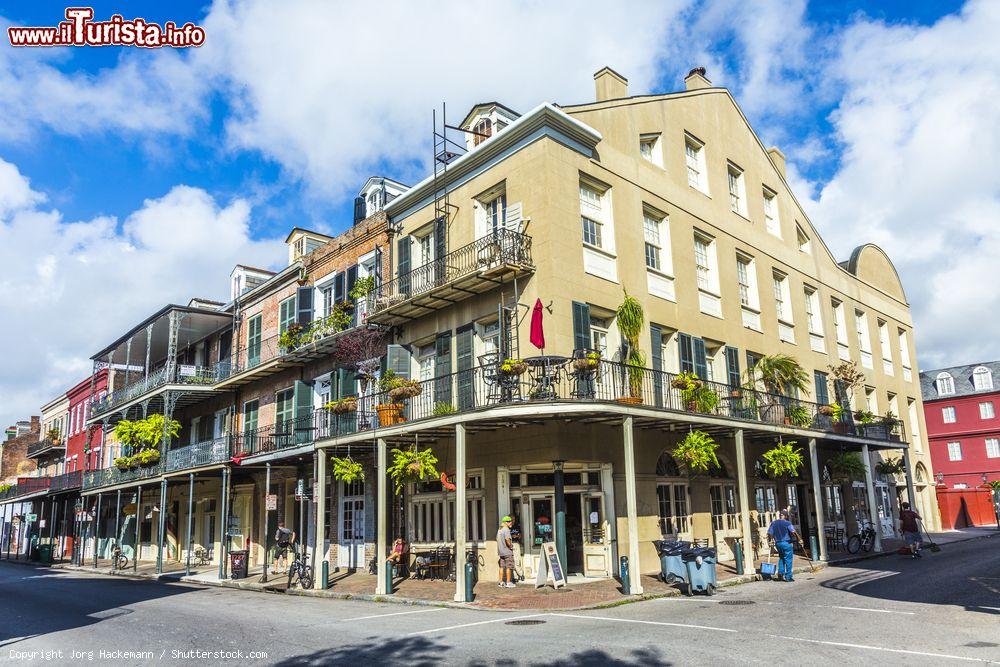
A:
(271, 502)
(32, 518)
(41, 524)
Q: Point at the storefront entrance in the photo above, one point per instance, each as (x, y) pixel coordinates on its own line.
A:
(351, 553)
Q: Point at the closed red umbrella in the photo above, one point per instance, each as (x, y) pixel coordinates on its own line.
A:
(537, 333)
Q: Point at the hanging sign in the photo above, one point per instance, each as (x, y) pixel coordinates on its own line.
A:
(271, 502)
(549, 567)
(32, 518)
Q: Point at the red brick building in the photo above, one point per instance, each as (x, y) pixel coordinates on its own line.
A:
(962, 410)
(77, 455)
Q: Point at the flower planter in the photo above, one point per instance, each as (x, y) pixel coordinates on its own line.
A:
(390, 413)
(629, 400)
(840, 427)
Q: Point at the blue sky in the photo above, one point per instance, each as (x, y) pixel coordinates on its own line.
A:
(109, 155)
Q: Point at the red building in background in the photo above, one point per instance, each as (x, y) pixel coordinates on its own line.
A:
(962, 411)
(77, 455)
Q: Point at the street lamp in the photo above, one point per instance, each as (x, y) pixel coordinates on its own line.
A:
(940, 479)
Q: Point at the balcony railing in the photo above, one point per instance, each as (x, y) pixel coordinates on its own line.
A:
(93, 479)
(199, 454)
(485, 387)
(183, 374)
(501, 249)
(67, 481)
(26, 486)
(42, 446)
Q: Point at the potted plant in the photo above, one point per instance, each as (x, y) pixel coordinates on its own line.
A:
(630, 318)
(442, 408)
(849, 378)
(290, 338)
(588, 363)
(777, 374)
(513, 367)
(362, 287)
(52, 435)
(346, 469)
(783, 460)
(122, 463)
(343, 406)
(396, 389)
(696, 452)
(411, 465)
(148, 457)
(890, 422)
(797, 415)
(696, 395)
(891, 467)
(837, 414)
(846, 467)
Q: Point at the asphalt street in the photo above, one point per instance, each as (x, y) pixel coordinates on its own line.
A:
(942, 609)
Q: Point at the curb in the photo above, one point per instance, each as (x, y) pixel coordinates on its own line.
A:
(883, 554)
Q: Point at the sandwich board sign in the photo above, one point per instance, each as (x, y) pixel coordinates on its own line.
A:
(550, 567)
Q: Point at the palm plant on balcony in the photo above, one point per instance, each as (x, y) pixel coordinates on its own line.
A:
(52, 435)
(412, 465)
(783, 460)
(776, 374)
(696, 452)
(797, 415)
(629, 319)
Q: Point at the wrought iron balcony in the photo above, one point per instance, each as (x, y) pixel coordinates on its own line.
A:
(182, 375)
(45, 446)
(199, 454)
(471, 269)
(67, 481)
(93, 479)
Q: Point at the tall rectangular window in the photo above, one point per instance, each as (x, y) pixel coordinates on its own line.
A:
(822, 388)
(702, 268)
(250, 414)
(904, 350)
(948, 414)
(595, 217)
(883, 339)
(733, 366)
(737, 191)
(496, 212)
(839, 321)
(254, 340)
(986, 410)
(954, 451)
(651, 232)
(694, 153)
(861, 322)
(992, 448)
(284, 409)
(771, 222)
(745, 280)
(781, 305)
(812, 311)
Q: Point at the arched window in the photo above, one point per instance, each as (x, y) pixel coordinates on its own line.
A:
(666, 466)
(982, 378)
(945, 384)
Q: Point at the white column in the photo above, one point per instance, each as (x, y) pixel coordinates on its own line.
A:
(635, 585)
(320, 551)
(743, 485)
(870, 489)
(460, 492)
(818, 499)
(381, 500)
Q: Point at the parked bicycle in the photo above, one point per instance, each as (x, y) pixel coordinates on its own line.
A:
(299, 571)
(865, 540)
(119, 561)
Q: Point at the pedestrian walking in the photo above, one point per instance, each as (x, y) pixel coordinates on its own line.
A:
(909, 526)
(285, 538)
(783, 537)
(505, 550)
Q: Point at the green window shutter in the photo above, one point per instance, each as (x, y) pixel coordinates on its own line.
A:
(733, 366)
(347, 382)
(442, 368)
(581, 326)
(286, 314)
(253, 341)
(304, 300)
(822, 391)
(440, 248)
(656, 358)
(464, 362)
(303, 401)
(339, 291)
(403, 266)
(685, 352)
(700, 359)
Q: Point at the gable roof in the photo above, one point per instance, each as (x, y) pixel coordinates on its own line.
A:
(963, 381)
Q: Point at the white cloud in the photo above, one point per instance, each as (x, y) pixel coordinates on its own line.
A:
(920, 130)
(68, 288)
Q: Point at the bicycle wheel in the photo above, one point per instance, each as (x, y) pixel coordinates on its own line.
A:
(854, 544)
(869, 544)
(121, 562)
(293, 571)
(306, 578)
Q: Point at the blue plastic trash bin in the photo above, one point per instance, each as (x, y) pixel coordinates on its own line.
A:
(701, 575)
(672, 566)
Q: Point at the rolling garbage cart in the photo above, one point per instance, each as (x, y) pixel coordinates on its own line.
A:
(672, 566)
(701, 575)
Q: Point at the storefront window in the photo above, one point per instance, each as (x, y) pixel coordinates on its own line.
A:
(672, 501)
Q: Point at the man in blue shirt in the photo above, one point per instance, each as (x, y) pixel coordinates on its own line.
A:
(782, 534)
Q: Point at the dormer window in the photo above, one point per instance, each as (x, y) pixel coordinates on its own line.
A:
(374, 202)
(945, 384)
(483, 130)
(982, 379)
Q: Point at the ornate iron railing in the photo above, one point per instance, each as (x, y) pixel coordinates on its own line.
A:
(42, 446)
(502, 248)
(93, 479)
(113, 399)
(67, 480)
(199, 454)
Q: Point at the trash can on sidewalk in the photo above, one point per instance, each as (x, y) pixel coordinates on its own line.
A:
(45, 553)
(238, 564)
(701, 575)
(672, 567)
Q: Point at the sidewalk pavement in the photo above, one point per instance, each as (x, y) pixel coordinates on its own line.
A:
(579, 594)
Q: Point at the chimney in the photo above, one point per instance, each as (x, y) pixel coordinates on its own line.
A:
(36, 424)
(696, 80)
(610, 85)
(778, 158)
